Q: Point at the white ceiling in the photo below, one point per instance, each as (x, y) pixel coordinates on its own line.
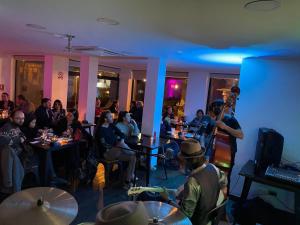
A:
(180, 30)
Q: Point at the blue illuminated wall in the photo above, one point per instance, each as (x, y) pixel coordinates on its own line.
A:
(270, 97)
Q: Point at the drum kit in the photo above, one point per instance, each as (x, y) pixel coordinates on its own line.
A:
(53, 206)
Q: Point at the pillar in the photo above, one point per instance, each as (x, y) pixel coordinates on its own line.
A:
(56, 72)
(87, 88)
(125, 88)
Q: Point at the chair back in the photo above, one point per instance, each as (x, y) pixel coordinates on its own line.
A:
(214, 215)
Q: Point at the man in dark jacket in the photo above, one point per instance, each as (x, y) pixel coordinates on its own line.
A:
(6, 104)
(44, 115)
(11, 139)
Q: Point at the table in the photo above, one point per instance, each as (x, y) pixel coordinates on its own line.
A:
(247, 171)
(147, 143)
(44, 152)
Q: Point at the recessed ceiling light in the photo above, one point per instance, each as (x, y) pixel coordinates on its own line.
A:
(107, 21)
(262, 5)
(35, 26)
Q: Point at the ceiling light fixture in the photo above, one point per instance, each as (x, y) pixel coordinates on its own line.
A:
(227, 58)
(35, 26)
(262, 5)
(107, 21)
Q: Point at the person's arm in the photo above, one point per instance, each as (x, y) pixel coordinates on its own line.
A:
(190, 196)
(118, 132)
(135, 130)
(236, 132)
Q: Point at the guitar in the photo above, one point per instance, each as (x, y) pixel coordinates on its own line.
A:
(139, 190)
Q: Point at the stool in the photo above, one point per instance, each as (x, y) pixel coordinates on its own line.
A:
(108, 164)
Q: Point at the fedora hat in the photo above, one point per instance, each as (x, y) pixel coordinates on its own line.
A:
(124, 213)
(191, 148)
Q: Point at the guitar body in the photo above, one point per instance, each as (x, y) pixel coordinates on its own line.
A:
(222, 151)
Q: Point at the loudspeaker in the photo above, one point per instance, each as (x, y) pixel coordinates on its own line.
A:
(268, 149)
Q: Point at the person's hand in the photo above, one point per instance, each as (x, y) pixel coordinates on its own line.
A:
(164, 195)
(22, 139)
(133, 122)
(221, 125)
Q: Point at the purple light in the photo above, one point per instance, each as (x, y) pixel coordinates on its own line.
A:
(172, 88)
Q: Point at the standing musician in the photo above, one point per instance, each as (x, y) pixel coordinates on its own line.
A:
(229, 125)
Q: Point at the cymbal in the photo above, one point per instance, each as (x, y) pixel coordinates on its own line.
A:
(161, 213)
(39, 206)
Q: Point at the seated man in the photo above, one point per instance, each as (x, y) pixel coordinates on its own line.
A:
(6, 104)
(201, 191)
(44, 115)
(127, 125)
(111, 138)
(11, 139)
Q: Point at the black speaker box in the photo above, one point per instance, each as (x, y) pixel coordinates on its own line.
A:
(268, 149)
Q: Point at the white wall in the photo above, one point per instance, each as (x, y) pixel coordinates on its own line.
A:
(270, 97)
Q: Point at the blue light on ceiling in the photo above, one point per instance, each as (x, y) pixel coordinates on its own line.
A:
(228, 58)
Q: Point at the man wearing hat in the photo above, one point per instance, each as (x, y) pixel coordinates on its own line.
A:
(202, 189)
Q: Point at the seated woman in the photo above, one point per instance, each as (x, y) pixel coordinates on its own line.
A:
(169, 117)
(112, 140)
(58, 111)
(127, 125)
(29, 127)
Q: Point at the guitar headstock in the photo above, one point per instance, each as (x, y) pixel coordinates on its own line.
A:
(135, 190)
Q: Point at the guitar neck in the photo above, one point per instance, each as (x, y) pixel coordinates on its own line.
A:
(138, 190)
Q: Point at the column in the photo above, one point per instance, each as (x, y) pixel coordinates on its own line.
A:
(125, 88)
(56, 72)
(196, 94)
(153, 100)
(7, 75)
(87, 88)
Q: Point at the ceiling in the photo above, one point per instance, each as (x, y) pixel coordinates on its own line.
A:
(185, 32)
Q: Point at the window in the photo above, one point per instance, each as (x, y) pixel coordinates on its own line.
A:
(29, 80)
(219, 88)
(73, 88)
(107, 87)
(175, 92)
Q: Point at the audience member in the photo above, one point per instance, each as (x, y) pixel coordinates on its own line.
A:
(111, 140)
(44, 115)
(137, 115)
(132, 107)
(127, 125)
(11, 139)
(114, 108)
(57, 111)
(197, 121)
(6, 104)
(169, 117)
(29, 127)
(24, 105)
(98, 110)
